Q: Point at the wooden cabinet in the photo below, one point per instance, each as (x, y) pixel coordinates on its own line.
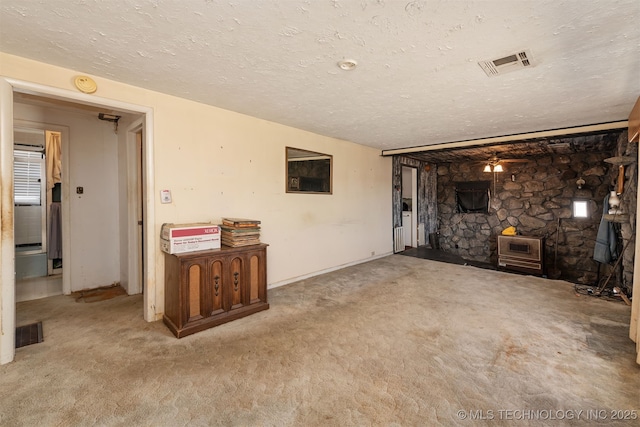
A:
(208, 288)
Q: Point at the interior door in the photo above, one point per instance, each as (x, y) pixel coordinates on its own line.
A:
(140, 208)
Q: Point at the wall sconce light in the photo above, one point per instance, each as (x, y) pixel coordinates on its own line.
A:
(580, 182)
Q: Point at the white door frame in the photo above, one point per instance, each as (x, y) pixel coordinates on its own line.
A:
(7, 250)
(134, 245)
(414, 207)
(414, 203)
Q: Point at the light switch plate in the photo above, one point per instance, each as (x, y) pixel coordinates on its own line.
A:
(165, 196)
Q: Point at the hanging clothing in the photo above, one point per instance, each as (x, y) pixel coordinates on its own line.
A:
(54, 158)
(606, 246)
(54, 250)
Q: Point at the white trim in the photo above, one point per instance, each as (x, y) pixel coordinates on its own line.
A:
(67, 95)
(152, 292)
(133, 285)
(7, 249)
(7, 254)
(415, 238)
(511, 138)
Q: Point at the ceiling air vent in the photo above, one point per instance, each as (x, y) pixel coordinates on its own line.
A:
(507, 64)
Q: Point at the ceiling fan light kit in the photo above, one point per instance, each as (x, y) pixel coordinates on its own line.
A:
(494, 164)
(495, 168)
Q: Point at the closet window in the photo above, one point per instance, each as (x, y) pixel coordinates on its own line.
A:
(28, 172)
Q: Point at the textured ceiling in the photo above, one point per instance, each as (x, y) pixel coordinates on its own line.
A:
(417, 82)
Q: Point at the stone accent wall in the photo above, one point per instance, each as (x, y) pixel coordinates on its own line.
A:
(532, 197)
(628, 203)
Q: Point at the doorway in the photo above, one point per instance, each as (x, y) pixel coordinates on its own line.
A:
(410, 206)
(10, 88)
(37, 205)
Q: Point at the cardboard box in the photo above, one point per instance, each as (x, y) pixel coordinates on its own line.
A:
(179, 246)
(181, 238)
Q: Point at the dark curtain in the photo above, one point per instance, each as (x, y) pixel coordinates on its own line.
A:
(473, 197)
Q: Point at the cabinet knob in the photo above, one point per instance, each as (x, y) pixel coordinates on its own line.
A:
(216, 286)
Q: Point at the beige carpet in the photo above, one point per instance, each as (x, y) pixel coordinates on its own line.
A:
(399, 341)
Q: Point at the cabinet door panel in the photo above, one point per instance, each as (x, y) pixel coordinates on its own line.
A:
(254, 279)
(194, 291)
(237, 282)
(217, 288)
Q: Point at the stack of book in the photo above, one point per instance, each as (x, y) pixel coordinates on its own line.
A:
(240, 232)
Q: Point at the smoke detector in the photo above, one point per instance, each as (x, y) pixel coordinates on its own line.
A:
(516, 61)
(85, 84)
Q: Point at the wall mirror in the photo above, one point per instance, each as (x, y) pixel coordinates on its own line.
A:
(308, 171)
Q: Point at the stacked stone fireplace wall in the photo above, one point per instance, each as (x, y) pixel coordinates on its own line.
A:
(628, 203)
(534, 197)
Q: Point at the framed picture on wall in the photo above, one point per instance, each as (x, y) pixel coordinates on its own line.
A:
(308, 171)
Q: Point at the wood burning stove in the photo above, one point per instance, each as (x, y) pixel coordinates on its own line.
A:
(521, 253)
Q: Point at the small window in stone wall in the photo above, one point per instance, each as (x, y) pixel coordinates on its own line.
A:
(580, 209)
(473, 196)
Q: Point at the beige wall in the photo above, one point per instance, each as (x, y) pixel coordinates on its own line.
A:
(220, 163)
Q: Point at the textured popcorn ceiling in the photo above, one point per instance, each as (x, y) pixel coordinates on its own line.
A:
(417, 80)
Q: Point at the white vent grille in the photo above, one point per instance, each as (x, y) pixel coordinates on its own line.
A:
(398, 239)
(516, 61)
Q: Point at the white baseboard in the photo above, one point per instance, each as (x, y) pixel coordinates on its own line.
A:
(327, 270)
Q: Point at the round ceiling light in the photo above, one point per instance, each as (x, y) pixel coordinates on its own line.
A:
(347, 64)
